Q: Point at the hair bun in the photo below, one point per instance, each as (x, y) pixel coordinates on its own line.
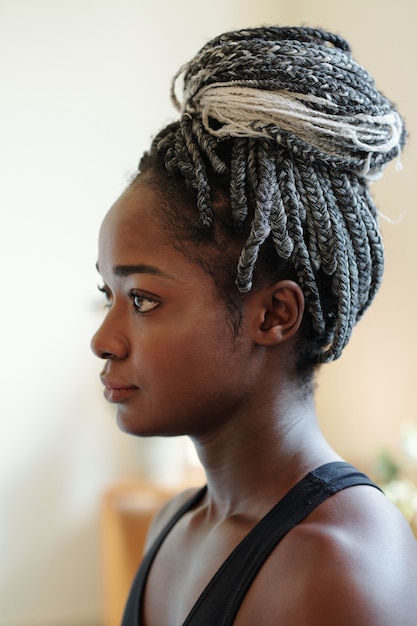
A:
(299, 87)
(291, 128)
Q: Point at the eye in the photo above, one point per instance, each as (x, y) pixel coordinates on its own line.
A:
(107, 294)
(143, 304)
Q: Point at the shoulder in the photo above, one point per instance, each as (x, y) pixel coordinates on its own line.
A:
(353, 561)
(364, 563)
(167, 512)
(361, 561)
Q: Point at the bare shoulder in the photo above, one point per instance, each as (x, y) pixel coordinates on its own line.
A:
(360, 560)
(352, 562)
(368, 562)
(166, 512)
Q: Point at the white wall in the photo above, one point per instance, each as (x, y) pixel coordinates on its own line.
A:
(84, 85)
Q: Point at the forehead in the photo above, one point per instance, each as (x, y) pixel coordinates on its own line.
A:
(134, 233)
(133, 209)
(133, 222)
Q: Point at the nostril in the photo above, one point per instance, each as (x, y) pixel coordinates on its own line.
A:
(106, 355)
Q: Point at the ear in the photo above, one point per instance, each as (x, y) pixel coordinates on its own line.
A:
(279, 313)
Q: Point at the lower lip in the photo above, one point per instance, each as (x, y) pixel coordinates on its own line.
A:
(118, 395)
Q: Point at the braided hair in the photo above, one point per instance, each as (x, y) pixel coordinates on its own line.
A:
(294, 129)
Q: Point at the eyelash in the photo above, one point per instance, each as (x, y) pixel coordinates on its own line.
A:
(106, 291)
(137, 299)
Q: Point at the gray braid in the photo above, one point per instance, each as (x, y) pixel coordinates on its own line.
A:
(297, 128)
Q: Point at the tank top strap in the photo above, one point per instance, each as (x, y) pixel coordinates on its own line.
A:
(221, 599)
(133, 609)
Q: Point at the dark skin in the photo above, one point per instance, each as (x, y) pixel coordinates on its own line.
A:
(176, 367)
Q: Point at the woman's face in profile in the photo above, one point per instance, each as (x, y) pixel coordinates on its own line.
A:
(172, 365)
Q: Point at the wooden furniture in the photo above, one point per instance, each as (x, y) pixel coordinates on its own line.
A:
(127, 510)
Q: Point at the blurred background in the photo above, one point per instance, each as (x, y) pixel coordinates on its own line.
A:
(84, 86)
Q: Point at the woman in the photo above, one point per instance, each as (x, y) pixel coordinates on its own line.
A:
(238, 261)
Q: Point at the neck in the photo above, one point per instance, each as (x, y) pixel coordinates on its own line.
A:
(257, 457)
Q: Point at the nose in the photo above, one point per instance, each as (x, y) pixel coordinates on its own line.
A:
(109, 342)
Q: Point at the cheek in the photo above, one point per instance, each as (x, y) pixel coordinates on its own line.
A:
(207, 371)
(189, 383)
(193, 363)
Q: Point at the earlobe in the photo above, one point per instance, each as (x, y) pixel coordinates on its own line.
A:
(282, 312)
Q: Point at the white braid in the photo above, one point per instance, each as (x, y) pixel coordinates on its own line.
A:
(246, 112)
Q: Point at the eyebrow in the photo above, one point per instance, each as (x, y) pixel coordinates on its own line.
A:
(142, 268)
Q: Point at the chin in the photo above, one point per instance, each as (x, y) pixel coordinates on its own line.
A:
(142, 426)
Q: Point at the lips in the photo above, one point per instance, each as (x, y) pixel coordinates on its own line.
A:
(117, 391)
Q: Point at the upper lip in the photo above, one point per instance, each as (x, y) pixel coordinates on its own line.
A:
(112, 383)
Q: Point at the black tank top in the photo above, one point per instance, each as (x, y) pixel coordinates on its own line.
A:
(219, 603)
